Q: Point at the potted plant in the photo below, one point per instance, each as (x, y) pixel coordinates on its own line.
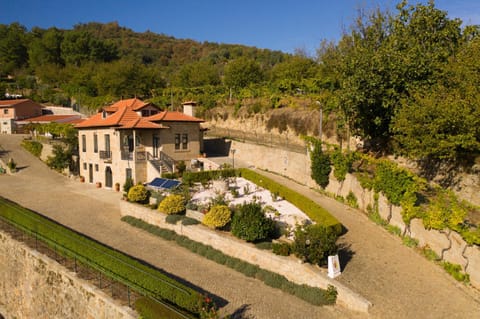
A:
(82, 179)
(117, 187)
(99, 184)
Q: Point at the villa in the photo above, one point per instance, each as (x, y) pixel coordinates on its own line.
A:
(134, 139)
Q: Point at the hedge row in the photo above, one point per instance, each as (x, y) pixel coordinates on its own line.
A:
(308, 206)
(313, 295)
(33, 147)
(204, 176)
(112, 263)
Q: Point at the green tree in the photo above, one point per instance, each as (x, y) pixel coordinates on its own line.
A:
(321, 165)
(61, 158)
(241, 72)
(13, 50)
(443, 122)
(197, 74)
(46, 49)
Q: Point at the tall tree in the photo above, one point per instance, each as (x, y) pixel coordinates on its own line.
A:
(13, 50)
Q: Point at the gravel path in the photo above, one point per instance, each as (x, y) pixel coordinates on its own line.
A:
(95, 212)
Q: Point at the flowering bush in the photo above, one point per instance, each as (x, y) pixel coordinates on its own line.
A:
(217, 217)
(138, 193)
(172, 204)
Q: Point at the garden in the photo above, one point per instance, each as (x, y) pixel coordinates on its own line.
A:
(249, 207)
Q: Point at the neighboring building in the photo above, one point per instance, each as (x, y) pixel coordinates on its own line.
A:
(134, 139)
(16, 110)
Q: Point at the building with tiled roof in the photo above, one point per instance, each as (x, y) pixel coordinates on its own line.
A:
(135, 139)
(16, 110)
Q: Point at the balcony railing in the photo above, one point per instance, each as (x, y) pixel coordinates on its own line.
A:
(106, 155)
(127, 156)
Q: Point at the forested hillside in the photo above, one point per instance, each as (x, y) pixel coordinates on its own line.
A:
(405, 81)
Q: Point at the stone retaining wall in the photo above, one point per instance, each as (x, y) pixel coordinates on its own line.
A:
(34, 286)
(447, 244)
(229, 245)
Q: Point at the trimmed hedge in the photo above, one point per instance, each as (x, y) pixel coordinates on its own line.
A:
(305, 204)
(112, 263)
(189, 178)
(313, 295)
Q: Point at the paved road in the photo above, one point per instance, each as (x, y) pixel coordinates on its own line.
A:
(398, 281)
(95, 212)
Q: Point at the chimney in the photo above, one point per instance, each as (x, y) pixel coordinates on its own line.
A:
(189, 108)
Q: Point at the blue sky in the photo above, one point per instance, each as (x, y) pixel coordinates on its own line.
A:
(279, 25)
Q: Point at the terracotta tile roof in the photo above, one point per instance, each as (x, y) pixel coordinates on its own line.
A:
(173, 116)
(10, 103)
(134, 104)
(121, 115)
(52, 118)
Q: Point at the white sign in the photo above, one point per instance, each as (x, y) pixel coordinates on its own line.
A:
(333, 266)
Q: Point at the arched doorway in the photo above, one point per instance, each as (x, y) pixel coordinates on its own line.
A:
(108, 177)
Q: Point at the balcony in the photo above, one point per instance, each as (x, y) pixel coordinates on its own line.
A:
(106, 156)
(127, 156)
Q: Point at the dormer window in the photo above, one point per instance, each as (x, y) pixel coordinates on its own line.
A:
(104, 114)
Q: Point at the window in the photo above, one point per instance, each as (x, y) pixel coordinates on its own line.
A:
(95, 143)
(184, 141)
(177, 141)
(5, 111)
(96, 167)
(107, 142)
(84, 166)
(153, 112)
(128, 173)
(84, 143)
(145, 113)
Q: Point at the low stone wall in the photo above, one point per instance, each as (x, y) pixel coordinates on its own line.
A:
(447, 244)
(35, 286)
(229, 245)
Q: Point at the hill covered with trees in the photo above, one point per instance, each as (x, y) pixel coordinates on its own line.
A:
(405, 81)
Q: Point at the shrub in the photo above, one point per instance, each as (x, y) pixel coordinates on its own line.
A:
(33, 147)
(409, 241)
(218, 216)
(352, 200)
(342, 164)
(250, 223)
(314, 243)
(321, 165)
(456, 271)
(62, 157)
(282, 249)
(138, 194)
(189, 178)
(173, 219)
(187, 221)
(128, 184)
(181, 167)
(172, 204)
(11, 164)
(264, 245)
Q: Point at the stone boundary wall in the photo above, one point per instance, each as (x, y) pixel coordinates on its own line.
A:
(447, 244)
(34, 286)
(289, 267)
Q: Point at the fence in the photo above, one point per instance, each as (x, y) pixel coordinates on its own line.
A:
(108, 280)
(267, 139)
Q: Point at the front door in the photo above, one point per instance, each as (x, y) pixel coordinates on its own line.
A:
(156, 144)
(108, 177)
(90, 173)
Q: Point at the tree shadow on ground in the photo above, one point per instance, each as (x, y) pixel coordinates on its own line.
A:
(21, 168)
(241, 313)
(345, 254)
